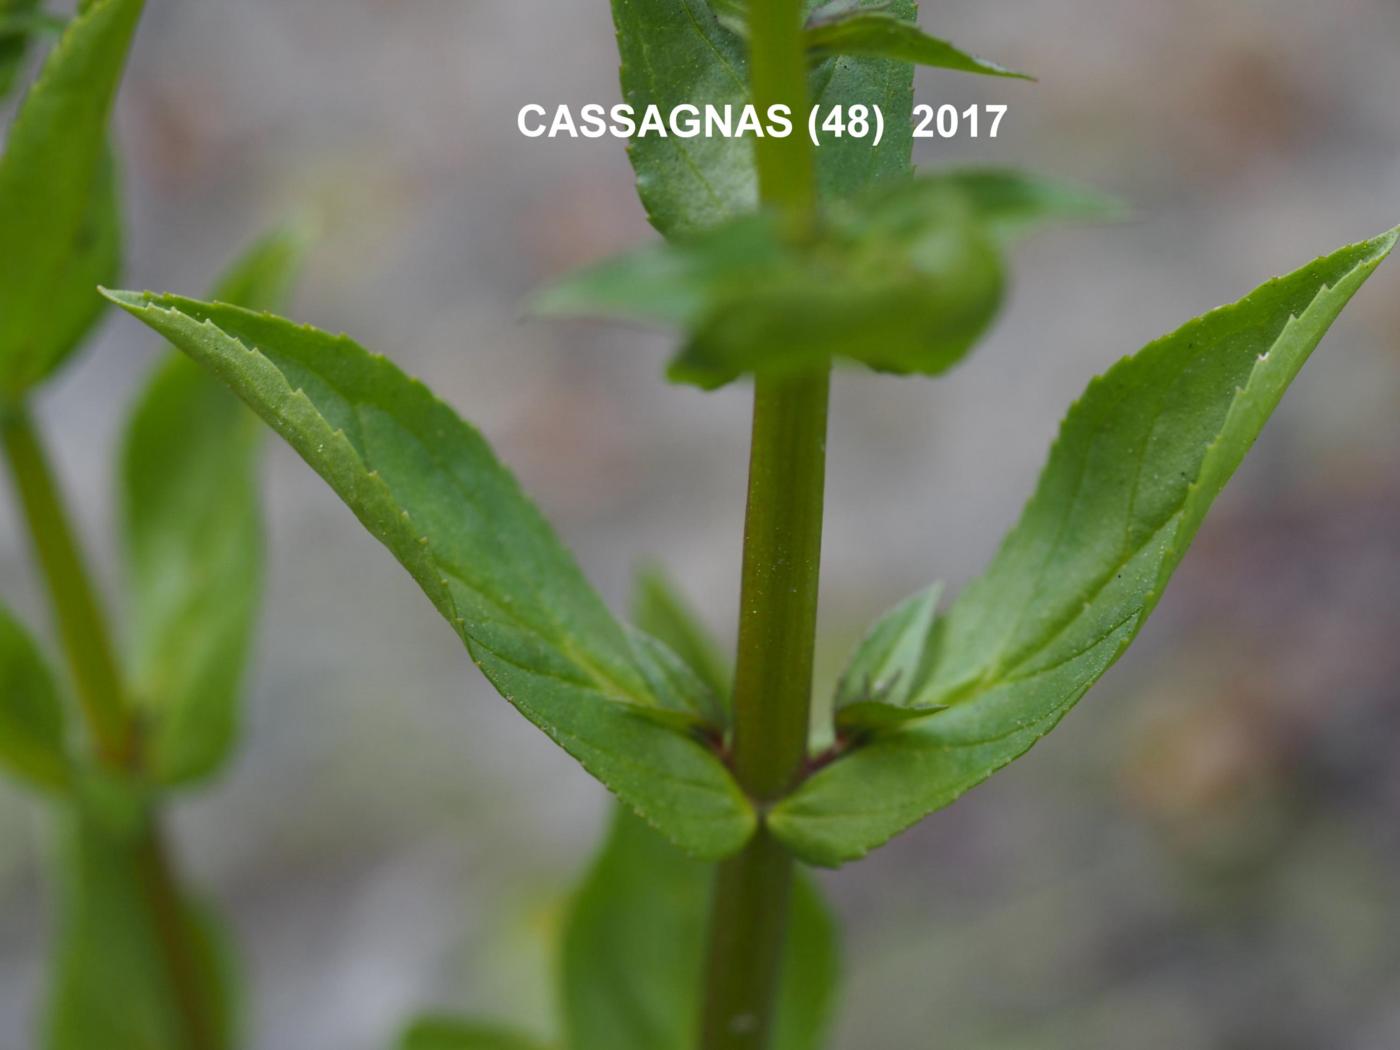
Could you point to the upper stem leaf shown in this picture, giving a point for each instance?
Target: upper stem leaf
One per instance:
(1138, 462)
(429, 488)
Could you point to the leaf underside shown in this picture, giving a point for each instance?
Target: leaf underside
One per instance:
(1138, 461)
(429, 488)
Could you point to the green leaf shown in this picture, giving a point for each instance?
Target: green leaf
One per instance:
(193, 538)
(429, 488)
(263, 276)
(876, 688)
(57, 198)
(634, 944)
(904, 279)
(849, 165)
(112, 984)
(659, 608)
(32, 731)
(446, 1033)
(20, 20)
(676, 52)
(1137, 464)
(1010, 202)
(883, 34)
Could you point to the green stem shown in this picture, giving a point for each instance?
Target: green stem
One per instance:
(778, 606)
(87, 643)
(778, 600)
(174, 933)
(77, 613)
(778, 76)
(748, 928)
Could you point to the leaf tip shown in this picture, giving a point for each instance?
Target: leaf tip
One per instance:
(127, 300)
(1385, 243)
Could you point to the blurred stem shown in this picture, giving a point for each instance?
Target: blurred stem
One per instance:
(174, 930)
(76, 610)
(778, 600)
(87, 644)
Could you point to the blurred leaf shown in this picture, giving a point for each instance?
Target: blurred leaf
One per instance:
(445, 1033)
(263, 276)
(904, 279)
(57, 198)
(732, 14)
(674, 283)
(193, 539)
(1137, 464)
(429, 488)
(113, 984)
(884, 34)
(32, 742)
(659, 608)
(1011, 202)
(20, 21)
(676, 52)
(634, 947)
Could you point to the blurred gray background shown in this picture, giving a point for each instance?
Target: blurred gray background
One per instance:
(1206, 854)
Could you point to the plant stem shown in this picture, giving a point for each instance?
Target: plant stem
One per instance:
(748, 928)
(77, 613)
(87, 643)
(171, 923)
(772, 698)
(782, 558)
(778, 600)
(778, 76)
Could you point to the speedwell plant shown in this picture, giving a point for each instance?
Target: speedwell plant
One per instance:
(696, 928)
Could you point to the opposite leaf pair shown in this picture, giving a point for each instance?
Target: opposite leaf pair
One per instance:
(631, 948)
(903, 279)
(1137, 464)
